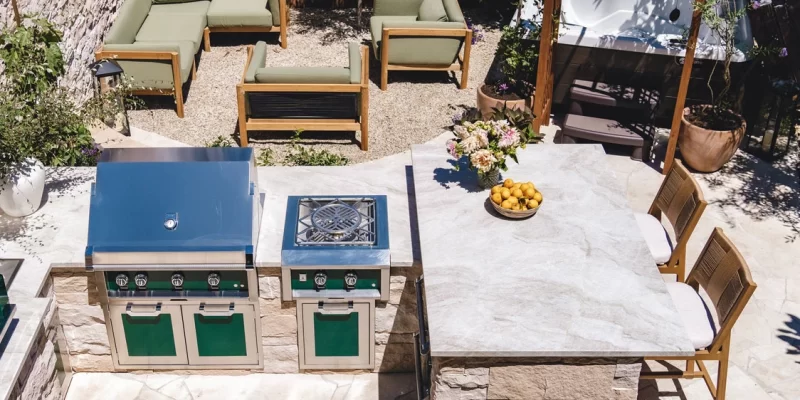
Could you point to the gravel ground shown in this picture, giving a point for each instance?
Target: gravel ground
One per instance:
(417, 106)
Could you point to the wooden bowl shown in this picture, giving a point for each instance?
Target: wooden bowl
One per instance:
(514, 214)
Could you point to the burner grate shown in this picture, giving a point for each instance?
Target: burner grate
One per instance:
(336, 221)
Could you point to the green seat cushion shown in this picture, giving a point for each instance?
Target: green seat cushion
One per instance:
(376, 26)
(234, 13)
(130, 18)
(396, 7)
(172, 28)
(303, 75)
(421, 50)
(157, 74)
(192, 8)
(432, 10)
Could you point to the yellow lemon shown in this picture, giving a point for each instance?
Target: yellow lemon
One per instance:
(523, 207)
(530, 193)
(506, 204)
(516, 186)
(531, 185)
(516, 193)
(533, 204)
(508, 183)
(524, 187)
(497, 198)
(538, 197)
(497, 189)
(505, 193)
(515, 207)
(513, 200)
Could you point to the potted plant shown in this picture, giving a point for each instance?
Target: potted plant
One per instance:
(711, 133)
(487, 143)
(518, 53)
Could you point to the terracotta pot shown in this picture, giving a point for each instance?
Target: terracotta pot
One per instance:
(486, 103)
(707, 150)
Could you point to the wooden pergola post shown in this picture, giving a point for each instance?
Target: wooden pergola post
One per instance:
(683, 88)
(543, 97)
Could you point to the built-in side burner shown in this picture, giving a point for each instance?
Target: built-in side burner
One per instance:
(336, 221)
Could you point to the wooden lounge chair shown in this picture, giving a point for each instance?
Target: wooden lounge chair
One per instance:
(420, 35)
(682, 201)
(304, 98)
(724, 276)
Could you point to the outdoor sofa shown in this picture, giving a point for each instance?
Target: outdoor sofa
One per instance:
(420, 35)
(304, 98)
(155, 41)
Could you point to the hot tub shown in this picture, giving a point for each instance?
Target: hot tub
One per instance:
(637, 42)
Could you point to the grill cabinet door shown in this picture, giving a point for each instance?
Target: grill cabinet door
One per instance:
(148, 334)
(337, 334)
(221, 334)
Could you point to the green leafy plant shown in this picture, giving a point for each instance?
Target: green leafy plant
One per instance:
(519, 55)
(300, 155)
(220, 141)
(266, 158)
(32, 58)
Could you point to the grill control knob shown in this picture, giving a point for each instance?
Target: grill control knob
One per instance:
(140, 280)
(122, 281)
(350, 280)
(177, 280)
(213, 280)
(320, 279)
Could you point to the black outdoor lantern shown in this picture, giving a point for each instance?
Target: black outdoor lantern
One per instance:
(108, 76)
(772, 130)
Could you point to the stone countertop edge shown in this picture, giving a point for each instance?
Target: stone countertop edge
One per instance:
(558, 354)
(28, 321)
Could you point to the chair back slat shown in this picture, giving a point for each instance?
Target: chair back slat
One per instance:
(723, 273)
(680, 199)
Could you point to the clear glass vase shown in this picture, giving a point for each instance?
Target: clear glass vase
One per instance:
(488, 179)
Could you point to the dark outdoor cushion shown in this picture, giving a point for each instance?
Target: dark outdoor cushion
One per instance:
(155, 74)
(232, 13)
(130, 18)
(303, 75)
(432, 10)
(257, 60)
(172, 28)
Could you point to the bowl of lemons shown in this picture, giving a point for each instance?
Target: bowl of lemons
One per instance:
(516, 200)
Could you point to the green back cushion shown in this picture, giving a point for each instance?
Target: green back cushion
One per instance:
(130, 18)
(275, 9)
(171, 1)
(432, 10)
(354, 53)
(303, 75)
(453, 10)
(397, 7)
(258, 60)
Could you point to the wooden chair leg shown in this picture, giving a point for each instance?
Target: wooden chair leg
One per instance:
(365, 119)
(384, 60)
(179, 100)
(722, 373)
(465, 64)
(207, 39)
(194, 70)
(242, 116)
(284, 44)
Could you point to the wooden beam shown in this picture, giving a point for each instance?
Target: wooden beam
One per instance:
(544, 92)
(683, 88)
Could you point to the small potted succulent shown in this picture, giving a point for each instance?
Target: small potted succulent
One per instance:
(518, 55)
(488, 143)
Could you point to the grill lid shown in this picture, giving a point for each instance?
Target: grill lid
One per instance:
(155, 205)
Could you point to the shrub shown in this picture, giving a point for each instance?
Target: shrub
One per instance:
(302, 156)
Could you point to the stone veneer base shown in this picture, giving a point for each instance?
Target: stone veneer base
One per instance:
(535, 378)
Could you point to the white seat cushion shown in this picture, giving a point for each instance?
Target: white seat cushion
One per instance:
(694, 313)
(657, 239)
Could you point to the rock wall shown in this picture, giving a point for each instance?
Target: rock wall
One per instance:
(535, 378)
(88, 347)
(84, 24)
(38, 379)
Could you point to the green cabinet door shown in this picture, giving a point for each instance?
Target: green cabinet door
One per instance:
(148, 334)
(337, 334)
(221, 334)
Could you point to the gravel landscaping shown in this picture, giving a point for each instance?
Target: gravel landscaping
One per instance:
(417, 106)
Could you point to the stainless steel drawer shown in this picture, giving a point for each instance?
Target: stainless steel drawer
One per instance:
(336, 334)
(221, 334)
(148, 334)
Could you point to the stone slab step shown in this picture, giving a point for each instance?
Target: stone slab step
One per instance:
(603, 131)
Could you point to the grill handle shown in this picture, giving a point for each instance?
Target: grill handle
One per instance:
(230, 310)
(335, 308)
(156, 311)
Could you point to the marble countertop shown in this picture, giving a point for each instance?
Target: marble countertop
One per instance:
(576, 280)
(26, 323)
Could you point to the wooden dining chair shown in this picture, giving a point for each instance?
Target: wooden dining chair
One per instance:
(724, 276)
(681, 201)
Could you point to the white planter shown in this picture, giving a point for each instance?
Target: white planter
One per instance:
(21, 192)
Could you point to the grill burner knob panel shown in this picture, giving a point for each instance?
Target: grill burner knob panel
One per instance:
(177, 280)
(122, 281)
(350, 280)
(214, 280)
(140, 280)
(320, 279)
